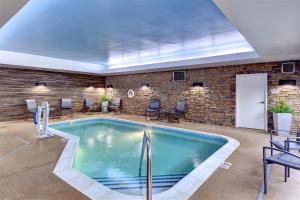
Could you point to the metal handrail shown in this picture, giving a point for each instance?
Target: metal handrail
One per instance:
(142, 153)
(147, 142)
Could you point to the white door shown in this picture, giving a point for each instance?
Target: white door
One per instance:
(251, 101)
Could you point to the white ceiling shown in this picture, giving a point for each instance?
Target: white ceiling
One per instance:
(272, 27)
(113, 36)
(8, 8)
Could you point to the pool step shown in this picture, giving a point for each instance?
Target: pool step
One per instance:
(159, 182)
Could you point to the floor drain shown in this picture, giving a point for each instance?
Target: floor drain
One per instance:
(63, 140)
(225, 165)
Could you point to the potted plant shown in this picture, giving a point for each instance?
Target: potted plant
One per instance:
(282, 118)
(104, 102)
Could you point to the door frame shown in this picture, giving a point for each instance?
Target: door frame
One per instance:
(265, 76)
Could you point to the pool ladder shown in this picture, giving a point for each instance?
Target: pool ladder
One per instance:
(147, 143)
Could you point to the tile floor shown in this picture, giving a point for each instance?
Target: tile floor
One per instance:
(26, 165)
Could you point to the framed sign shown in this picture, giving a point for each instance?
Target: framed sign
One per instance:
(130, 93)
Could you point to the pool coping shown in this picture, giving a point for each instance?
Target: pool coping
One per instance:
(95, 190)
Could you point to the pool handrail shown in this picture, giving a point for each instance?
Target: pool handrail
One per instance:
(147, 141)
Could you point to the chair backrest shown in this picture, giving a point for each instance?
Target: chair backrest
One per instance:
(89, 102)
(180, 106)
(298, 135)
(66, 103)
(31, 104)
(154, 104)
(116, 101)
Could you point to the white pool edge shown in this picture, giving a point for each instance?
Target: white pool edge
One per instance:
(95, 190)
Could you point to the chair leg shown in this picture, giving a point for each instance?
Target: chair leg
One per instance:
(289, 172)
(271, 145)
(285, 174)
(265, 178)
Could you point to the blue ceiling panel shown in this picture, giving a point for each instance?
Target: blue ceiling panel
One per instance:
(122, 33)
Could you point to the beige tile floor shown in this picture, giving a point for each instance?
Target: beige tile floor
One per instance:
(26, 165)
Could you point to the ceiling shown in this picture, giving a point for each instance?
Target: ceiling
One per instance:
(8, 8)
(271, 27)
(115, 36)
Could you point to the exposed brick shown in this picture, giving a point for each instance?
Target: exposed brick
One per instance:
(212, 104)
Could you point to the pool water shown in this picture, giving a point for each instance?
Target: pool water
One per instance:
(109, 152)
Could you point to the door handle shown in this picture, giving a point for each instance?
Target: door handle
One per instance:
(261, 102)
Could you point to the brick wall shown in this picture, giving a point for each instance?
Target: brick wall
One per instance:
(16, 85)
(212, 104)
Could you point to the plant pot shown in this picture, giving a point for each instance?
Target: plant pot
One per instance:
(282, 123)
(104, 105)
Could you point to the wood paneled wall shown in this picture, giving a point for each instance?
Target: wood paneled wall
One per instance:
(17, 85)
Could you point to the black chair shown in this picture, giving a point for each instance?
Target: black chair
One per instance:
(178, 112)
(66, 105)
(283, 158)
(116, 105)
(91, 106)
(153, 108)
(280, 144)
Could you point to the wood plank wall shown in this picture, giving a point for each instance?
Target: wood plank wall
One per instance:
(17, 85)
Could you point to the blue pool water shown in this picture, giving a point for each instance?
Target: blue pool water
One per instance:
(109, 152)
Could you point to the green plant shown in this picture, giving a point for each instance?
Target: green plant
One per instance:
(104, 98)
(281, 107)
